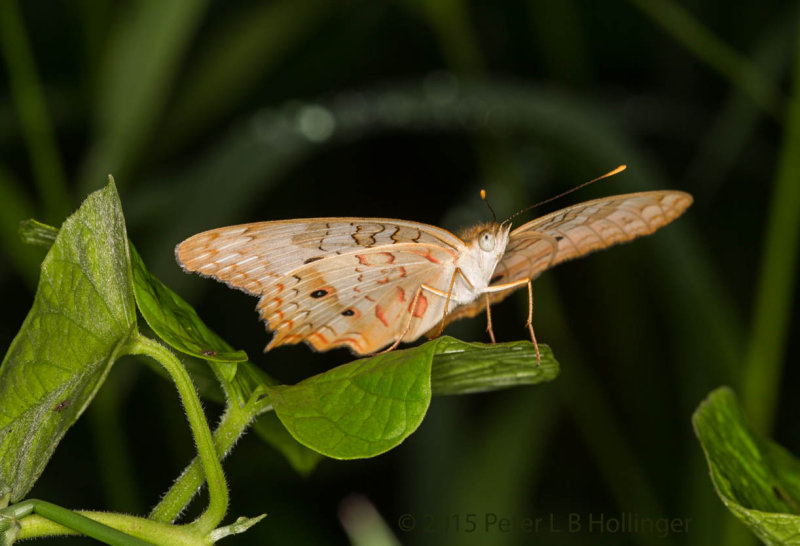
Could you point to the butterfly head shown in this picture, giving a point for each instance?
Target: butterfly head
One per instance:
(487, 244)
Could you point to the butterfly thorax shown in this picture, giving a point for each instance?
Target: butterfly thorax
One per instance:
(485, 246)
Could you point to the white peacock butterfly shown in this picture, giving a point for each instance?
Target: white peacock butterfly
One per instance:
(370, 283)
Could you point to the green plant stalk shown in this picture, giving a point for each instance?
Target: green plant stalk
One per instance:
(35, 526)
(217, 488)
(32, 110)
(775, 291)
(707, 47)
(232, 425)
(57, 520)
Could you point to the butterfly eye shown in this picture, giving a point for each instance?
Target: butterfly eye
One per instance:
(486, 241)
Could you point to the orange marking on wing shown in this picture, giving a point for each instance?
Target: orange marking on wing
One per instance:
(321, 340)
(380, 258)
(288, 325)
(280, 287)
(379, 314)
(351, 340)
(369, 298)
(421, 307)
(428, 256)
(401, 294)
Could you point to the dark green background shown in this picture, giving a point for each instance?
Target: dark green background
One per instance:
(195, 110)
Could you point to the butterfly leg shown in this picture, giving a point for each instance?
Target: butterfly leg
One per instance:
(410, 317)
(529, 322)
(489, 317)
(449, 294)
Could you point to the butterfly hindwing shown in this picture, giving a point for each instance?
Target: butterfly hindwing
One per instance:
(361, 300)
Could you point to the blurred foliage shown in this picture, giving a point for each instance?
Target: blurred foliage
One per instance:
(210, 113)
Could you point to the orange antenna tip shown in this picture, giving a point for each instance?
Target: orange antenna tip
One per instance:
(483, 194)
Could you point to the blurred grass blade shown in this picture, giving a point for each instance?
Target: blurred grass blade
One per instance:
(736, 122)
(706, 46)
(147, 44)
(14, 208)
(777, 275)
(241, 52)
(756, 479)
(81, 316)
(31, 107)
(564, 54)
(450, 21)
(363, 524)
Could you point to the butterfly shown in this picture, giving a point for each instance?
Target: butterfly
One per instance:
(371, 283)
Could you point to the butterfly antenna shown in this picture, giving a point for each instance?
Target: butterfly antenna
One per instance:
(483, 196)
(560, 195)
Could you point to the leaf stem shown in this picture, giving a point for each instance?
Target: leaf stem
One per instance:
(232, 425)
(217, 488)
(66, 520)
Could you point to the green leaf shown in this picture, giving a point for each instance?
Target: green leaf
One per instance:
(174, 320)
(270, 429)
(82, 315)
(362, 408)
(371, 405)
(33, 232)
(758, 480)
(177, 323)
(460, 367)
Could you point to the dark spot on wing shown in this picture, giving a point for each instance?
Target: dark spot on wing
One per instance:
(348, 313)
(319, 293)
(496, 278)
(314, 259)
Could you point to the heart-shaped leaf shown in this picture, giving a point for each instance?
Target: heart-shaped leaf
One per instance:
(371, 405)
(82, 315)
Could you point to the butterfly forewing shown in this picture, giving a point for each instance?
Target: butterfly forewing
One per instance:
(252, 256)
(576, 231)
(329, 281)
